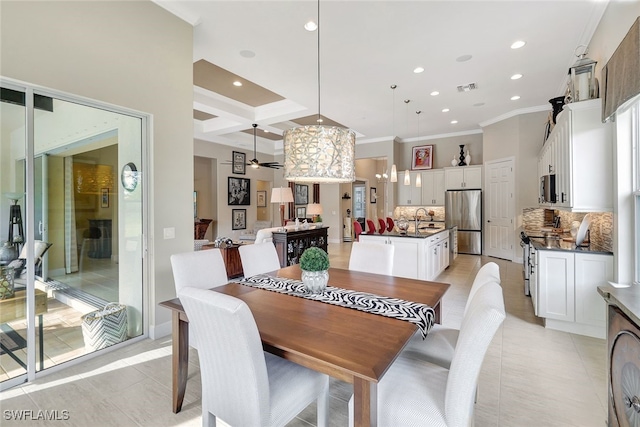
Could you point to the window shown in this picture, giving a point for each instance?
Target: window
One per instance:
(635, 150)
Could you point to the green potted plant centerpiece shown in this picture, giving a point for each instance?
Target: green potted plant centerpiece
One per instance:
(314, 264)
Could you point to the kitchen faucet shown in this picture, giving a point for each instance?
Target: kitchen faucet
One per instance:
(415, 219)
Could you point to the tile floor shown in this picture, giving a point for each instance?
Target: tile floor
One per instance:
(62, 323)
(531, 376)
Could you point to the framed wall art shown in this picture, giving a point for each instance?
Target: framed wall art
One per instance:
(373, 195)
(262, 199)
(238, 219)
(301, 212)
(301, 195)
(104, 197)
(239, 163)
(238, 189)
(422, 157)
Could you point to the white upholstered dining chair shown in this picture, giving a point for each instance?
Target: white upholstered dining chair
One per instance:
(241, 384)
(414, 392)
(259, 258)
(374, 258)
(199, 269)
(438, 347)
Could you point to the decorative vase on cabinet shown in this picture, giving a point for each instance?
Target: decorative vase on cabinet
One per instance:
(462, 162)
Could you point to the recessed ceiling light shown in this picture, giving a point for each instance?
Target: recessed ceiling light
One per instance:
(515, 98)
(478, 104)
(265, 131)
(516, 76)
(463, 58)
(445, 110)
(453, 122)
(435, 93)
(418, 70)
(237, 83)
(247, 53)
(310, 26)
(518, 44)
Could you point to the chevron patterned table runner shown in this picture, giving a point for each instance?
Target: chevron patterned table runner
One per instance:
(419, 314)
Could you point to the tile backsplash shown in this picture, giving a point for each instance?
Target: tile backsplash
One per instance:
(600, 230)
(409, 212)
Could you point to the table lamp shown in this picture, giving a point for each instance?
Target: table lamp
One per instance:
(314, 209)
(282, 196)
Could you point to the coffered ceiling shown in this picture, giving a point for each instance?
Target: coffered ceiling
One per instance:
(365, 47)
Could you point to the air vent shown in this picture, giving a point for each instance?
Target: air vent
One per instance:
(467, 87)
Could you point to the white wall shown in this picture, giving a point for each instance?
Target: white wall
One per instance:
(521, 137)
(220, 154)
(444, 149)
(132, 54)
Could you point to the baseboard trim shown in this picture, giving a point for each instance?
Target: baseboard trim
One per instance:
(160, 331)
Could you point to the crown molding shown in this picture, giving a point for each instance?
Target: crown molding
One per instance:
(514, 113)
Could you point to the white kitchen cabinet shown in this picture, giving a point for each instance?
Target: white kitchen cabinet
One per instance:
(579, 152)
(408, 195)
(556, 285)
(433, 188)
(416, 257)
(407, 254)
(463, 178)
(564, 290)
(453, 243)
(592, 270)
(445, 253)
(437, 254)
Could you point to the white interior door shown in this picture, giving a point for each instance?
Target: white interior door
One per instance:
(499, 210)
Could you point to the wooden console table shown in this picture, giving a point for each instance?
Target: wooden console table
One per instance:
(231, 257)
(291, 244)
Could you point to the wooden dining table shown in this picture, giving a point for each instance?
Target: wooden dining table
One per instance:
(350, 345)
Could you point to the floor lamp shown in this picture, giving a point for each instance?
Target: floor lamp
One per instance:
(282, 196)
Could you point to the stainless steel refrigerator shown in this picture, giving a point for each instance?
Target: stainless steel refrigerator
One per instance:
(463, 208)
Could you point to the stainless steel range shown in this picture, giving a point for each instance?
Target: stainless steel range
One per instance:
(528, 260)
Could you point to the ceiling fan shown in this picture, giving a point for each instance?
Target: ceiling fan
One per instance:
(254, 163)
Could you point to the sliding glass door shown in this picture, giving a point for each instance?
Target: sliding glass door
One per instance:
(13, 300)
(77, 176)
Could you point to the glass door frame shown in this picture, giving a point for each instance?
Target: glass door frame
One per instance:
(29, 221)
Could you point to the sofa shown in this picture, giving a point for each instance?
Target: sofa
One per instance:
(249, 235)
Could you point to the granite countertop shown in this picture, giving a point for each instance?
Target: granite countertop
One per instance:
(565, 246)
(424, 233)
(625, 298)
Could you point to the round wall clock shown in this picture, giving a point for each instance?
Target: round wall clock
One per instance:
(129, 176)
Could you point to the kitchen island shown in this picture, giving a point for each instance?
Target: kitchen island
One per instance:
(423, 255)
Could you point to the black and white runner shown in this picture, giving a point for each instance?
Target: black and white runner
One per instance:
(419, 314)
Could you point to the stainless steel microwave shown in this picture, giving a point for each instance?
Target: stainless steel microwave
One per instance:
(548, 189)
